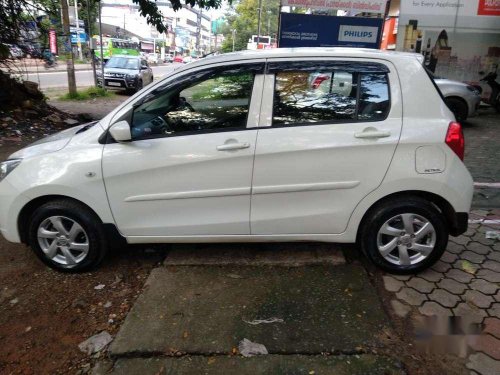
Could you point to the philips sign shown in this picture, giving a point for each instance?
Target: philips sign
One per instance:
(358, 34)
(307, 30)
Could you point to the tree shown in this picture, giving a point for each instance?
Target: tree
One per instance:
(244, 19)
(17, 15)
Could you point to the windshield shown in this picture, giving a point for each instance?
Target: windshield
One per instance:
(123, 63)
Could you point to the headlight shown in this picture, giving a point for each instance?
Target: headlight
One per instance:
(8, 166)
(131, 76)
(474, 89)
(98, 73)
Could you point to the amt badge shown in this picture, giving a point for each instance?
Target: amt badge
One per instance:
(359, 34)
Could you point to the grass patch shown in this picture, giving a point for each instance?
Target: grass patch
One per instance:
(90, 93)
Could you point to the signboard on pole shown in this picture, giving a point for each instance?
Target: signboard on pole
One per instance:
(304, 30)
(369, 6)
(53, 41)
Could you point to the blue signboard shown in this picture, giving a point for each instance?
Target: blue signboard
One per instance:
(305, 30)
(83, 37)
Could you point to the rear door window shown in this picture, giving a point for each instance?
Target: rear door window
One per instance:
(330, 94)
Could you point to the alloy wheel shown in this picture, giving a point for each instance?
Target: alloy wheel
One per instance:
(406, 239)
(63, 240)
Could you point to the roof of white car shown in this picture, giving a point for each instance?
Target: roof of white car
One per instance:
(306, 52)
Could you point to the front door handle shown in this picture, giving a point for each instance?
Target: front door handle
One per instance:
(372, 134)
(233, 146)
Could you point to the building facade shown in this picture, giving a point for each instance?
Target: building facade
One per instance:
(188, 28)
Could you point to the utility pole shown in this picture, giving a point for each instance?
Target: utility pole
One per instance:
(234, 33)
(91, 44)
(67, 42)
(102, 52)
(77, 24)
(258, 27)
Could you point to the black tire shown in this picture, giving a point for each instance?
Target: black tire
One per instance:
(380, 214)
(88, 220)
(459, 108)
(139, 86)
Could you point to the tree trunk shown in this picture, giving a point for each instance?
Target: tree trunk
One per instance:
(67, 42)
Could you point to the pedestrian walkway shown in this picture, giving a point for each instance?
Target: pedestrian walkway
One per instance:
(316, 315)
(465, 283)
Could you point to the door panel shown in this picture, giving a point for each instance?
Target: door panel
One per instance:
(308, 178)
(188, 170)
(180, 185)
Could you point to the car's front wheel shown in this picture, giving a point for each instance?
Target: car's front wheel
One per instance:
(404, 235)
(67, 236)
(458, 107)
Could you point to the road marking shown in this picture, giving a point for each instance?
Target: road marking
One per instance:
(491, 185)
(484, 221)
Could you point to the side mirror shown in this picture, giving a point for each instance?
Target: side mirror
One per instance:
(120, 131)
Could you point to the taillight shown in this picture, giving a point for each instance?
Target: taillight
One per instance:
(455, 139)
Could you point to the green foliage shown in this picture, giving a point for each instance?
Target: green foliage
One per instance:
(90, 93)
(244, 19)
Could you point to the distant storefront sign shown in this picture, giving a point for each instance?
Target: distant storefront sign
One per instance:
(489, 8)
(304, 30)
(370, 6)
(458, 38)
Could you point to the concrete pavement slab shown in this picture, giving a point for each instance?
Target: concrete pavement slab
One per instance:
(278, 254)
(270, 364)
(207, 310)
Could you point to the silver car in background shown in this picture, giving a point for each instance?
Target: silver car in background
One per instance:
(461, 98)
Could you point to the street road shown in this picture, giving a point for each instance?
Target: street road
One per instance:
(55, 79)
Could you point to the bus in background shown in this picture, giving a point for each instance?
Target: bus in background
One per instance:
(115, 46)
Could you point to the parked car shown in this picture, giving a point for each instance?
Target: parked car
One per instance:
(168, 58)
(239, 147)
(178, 59)
(130, 73)
(187, 59)
(461, 98)
(15, 52)
(153, 58)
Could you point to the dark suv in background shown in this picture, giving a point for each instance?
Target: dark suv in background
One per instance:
(129, 73)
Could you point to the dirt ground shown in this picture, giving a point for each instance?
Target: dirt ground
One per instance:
(44, 314)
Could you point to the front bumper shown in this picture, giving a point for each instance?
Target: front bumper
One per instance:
(113, 83)
(473, 102)
(11, 204)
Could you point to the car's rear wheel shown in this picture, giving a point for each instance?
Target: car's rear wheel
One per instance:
(404, 235)
(459, 108)
(67, 236)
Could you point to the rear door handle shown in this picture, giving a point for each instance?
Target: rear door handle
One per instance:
(372, 134)
(233, 146)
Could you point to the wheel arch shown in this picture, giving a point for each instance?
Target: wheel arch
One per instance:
(460, 99)
(30, 207)
(439, 202)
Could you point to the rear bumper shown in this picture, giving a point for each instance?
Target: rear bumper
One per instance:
(459, 223)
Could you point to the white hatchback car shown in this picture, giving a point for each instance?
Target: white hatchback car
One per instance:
(241, 147)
